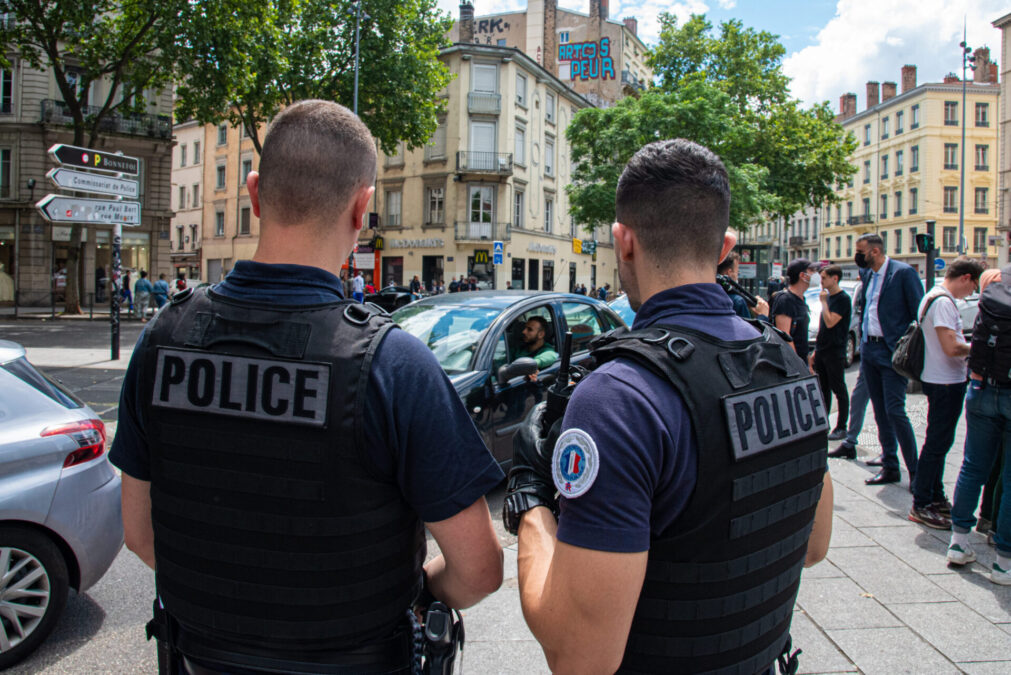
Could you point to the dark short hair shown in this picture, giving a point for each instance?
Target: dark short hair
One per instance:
(315, 156)
(832, 271)
(727, 263)
(541, 321)
(143, 274)
(872, 240)
(964, 265)
(675, 195)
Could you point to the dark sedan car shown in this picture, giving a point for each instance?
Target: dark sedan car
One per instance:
(477, 337)
(392, 298)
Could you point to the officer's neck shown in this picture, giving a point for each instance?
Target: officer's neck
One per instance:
(299, 245)
(652, 282)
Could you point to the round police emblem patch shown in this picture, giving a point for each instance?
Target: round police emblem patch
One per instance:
(575, 463)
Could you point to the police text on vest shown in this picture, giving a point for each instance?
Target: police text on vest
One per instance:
(774, 416)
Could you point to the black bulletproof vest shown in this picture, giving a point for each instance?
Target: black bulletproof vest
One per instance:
(721, 583)
(271, 529)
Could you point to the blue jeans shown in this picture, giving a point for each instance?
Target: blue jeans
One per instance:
(988, 432)
(359, 297)
(887, 390)
(858, 408)
(944, 409)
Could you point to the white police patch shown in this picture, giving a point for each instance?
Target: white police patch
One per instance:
(575, 463)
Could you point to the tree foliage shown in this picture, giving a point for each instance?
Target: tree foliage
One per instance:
(727, 92)
(243, 62)
(125, 46)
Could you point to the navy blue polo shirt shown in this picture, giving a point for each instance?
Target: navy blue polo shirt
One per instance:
(642, 432)
(416, 426)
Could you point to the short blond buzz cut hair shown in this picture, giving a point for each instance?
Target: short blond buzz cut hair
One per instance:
(316, 156)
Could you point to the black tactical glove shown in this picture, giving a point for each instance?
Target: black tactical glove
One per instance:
(530, 483)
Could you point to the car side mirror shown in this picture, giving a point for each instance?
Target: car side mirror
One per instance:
(521, 367)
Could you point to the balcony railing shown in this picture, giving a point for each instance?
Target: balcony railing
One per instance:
(866, 219)
(137, 124)
(482, 231)
(484, 103)
(796, 241)
(497, 163)
(630, 80)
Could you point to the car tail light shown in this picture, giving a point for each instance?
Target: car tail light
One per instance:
(90, 437)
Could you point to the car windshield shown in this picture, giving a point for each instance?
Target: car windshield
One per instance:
(450, 331)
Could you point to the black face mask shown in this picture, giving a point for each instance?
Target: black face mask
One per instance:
(861, 260)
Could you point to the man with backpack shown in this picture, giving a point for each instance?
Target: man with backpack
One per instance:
(944, 353)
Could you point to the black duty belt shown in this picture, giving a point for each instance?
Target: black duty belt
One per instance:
(875, 338)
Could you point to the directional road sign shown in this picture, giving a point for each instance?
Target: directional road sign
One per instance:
(939, 263)
(59, 209)
(94, 159)
(497, 248)
(93, 182)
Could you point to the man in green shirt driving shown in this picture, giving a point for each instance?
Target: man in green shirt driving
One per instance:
(534, 347)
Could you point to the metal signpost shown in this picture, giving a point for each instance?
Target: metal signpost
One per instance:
(71, 209)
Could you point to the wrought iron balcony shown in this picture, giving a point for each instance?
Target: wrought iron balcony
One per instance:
(630, 80)
(797, 241)
(484, 103)
(482, 232)
(497, 163)
(136, 124)
(865, 219)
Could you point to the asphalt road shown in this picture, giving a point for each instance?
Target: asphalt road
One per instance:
(102, 630)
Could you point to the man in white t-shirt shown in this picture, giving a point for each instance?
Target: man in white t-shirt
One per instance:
(944, 381)
(358, 287)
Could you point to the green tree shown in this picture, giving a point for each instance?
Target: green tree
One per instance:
(727, 92)
(112, 49)
(243, 62)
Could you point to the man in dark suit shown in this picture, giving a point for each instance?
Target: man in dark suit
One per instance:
(888, 304)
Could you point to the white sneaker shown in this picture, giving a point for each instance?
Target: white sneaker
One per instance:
(1000, 576)
(960, 556)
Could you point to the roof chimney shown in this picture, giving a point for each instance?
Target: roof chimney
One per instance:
(550, 59)
(466, 21)
(982, 73)
(598, 9)
(993, 73)
(887, 90)
(951, 78)
(632, 24)
(873, 94)
(908, 78)
(847, 106)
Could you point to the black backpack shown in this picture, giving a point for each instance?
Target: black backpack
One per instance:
(990, 355)
(907, 359)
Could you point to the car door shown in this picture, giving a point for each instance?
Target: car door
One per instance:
(585, 323)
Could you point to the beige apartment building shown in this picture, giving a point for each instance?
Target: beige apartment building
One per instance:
(908, 169)
(187, 200)
(495, 171)
(601, 59)
(34, 252)
(1004, 139)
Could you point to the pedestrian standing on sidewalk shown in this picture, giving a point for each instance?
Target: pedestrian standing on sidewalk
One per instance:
(161, 291)
(944, 355)
(989, 505)
(358, 287)
(829, 357)
(789, 312)
(142, 294)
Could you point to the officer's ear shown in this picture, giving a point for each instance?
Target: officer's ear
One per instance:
(253, 186)
(625, 241)
(361, 205)
(729, 242)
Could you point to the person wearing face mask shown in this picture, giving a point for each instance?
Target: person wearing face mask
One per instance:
(889, 304)
(789, 311)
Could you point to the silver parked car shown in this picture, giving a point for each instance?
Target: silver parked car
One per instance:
(60, 518)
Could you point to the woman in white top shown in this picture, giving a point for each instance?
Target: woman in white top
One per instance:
(944, 382)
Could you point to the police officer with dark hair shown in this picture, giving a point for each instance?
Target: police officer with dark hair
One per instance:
(689, 464)
(284, 448)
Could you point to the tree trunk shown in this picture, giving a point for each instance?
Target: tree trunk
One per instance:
(72, 290)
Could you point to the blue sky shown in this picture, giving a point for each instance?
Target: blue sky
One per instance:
(833, 46)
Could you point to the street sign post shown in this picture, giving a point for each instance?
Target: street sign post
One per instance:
(97, 160)
(94, 182)
(939, 264)
(498, 249)
(59, 209)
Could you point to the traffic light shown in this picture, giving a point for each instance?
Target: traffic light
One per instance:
(924, 243)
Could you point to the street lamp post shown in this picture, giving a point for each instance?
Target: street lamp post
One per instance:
(967, 62)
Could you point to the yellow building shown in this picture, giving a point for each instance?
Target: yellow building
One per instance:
(908, 169)
(1004, 134)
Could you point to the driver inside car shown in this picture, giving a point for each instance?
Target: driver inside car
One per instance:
(533, 345)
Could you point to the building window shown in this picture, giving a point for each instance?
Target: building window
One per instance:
(951, 113)
(867, 134)
(196, 195)
(867, 171)
(563, 37)
(884, 207)
(898, 122)
(6, 92)
(222, 133)
(393, 201)
(572, 226)
(518, 209)
(182, 198)
(244, 220)
(220, 185)
(885, 124)
(979, 240)
(951, 200)
(884, 166)
(436, 148)
(982, 114)
(982, 158)
(549, 107)
(884, 241)
(484, 78)
(247, 168)
(435, 205)
(501, 42)
(520, 146)
(849, 245)
(182, 155)
(521, 90)
(549, 213)
(196, 152)
(397, 158)
(898, 204)
(951, 155)
(898, 241)
(912, 240)
(179, 238)
(838, 247)
(915, 120)
(914, 200)
(914, 158)
(219, 224)
(981, 202)
(948, 239)
(849, 212)
(899, 157)
(867, 206)
(549, 157)
(5, 173)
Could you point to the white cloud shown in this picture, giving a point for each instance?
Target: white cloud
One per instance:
(870, 40)
(727, 4)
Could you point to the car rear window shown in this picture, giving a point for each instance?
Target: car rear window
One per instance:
(24, 371)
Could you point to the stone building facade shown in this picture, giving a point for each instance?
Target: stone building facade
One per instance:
(1004, 139)
(187, 193)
